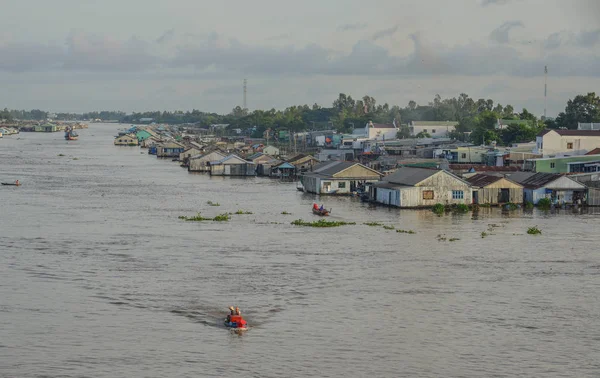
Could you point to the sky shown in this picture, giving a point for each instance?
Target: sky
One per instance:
(138, 55)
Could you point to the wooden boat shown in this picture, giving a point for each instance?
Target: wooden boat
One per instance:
(322, 213)
(11, 183)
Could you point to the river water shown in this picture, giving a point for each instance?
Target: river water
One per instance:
(99, 277)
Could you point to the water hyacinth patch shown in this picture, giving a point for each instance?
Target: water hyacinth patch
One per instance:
(321, 223)
(534, 231)
(373, 224)
(211, 203)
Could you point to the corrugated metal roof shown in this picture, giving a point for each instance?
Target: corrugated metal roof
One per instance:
(330, 168)
(536, 180)
(595, 151)
(410, 176)
(481, 180)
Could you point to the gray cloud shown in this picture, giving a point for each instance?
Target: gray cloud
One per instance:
(214, 56)
(553, 41)
(485, 3)
(29, 57)
(583, 39)
(352, 27)
(385, 33)
(588, 38)
(166, 37)
(501, 33)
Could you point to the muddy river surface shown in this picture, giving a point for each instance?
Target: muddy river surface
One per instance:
(99, 277)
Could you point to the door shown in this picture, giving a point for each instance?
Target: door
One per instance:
(504, 196)
(475, 196)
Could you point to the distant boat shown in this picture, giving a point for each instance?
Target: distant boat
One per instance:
(70, 134)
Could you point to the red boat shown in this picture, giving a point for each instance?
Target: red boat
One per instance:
(320, 212)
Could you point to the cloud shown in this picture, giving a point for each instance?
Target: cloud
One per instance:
(588, 38)
(352, 27)
(385, 33)
(280, 37)
(485, 3)
(166, 37)
(213, 56)
(87, 51)
(28, 57)
(501, 33)
(584, 39)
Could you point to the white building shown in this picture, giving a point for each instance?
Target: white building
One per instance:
(437, 129)
(588, 126)
(381, 131)
(550, 143)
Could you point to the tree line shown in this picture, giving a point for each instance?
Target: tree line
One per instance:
(477, 119)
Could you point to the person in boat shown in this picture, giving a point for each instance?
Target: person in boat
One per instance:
(315, 206)
(17, 182)
(321, 208)
(231, 313)
(236, 318)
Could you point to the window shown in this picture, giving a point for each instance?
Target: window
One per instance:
(458, 194)
(433, 131)
(341, 185)
(569, 146)
(464, 156)
(428, 194)
(552, 165)
(424, 130)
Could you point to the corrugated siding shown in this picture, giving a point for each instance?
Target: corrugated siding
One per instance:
(491, 195)
(504, 184)
(593, 198)
(388, 196)
(357, 171)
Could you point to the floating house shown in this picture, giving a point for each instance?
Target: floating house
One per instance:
(169, 150)
(338, 177)
(232, 165)
(188, 153)
(271, 150)
(200, 163)
(420, 187)
(495, 190)
(126, 140)
(560, 189)
(46, 128)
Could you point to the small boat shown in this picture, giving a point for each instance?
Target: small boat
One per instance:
(234, 327)
(322, 213)
(12, 183)
(70, 134)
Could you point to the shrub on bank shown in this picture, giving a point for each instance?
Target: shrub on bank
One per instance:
(544, 204)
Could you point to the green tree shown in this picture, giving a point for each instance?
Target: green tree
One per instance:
(583, 108)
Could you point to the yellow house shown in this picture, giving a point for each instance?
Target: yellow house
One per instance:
(495, 190)
(126, 140)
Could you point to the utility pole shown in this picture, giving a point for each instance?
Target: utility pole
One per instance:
(245, 93)
(545, 89)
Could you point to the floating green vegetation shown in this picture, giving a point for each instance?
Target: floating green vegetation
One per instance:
(484, 234)
(75, 158)
(460, 208)
(211, 203)
(485, 205)
(544, 204)
(441, 237)
(453, 239)
(222, 218)
(438, 209)
(61, 154)
(240, 212)
(196, 218)
(200, 218)
(534, 230)
(389, 227)
(285, 213)
(510, 206)
(373, 224)
(321, 223)
(406, 231)
(529, 205)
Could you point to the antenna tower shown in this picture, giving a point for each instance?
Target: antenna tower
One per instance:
(545, 89)
(245, 93)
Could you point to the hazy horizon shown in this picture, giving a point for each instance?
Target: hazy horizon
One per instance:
(75, 56)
